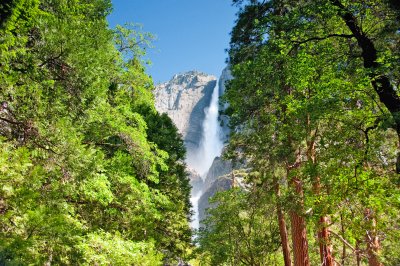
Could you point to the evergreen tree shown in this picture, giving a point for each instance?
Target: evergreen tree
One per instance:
(84, 178)
(313, 107)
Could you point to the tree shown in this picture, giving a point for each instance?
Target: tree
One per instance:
(83, 177)
(302, 101)
(174, 181)
(238, 230)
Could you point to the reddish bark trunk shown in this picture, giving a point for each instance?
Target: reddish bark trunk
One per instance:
(358, 256)
(299, 232)
(325, 249)
(344, 245)
(283, 232)
(372, 240)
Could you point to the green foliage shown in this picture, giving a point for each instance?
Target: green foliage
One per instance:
(305, 108)
(84, 176)
(174, 181)
(106, 249)
(238, 231)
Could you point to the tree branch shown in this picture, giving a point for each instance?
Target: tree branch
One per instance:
(343, 240)
(298, 43)
(348, 36)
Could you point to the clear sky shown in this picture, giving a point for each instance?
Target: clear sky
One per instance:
(191, 34)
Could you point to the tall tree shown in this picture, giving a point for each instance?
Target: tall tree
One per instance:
(380, 79)
(297, 66)
(84, 179)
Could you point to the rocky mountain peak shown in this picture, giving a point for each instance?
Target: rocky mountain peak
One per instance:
(184, 98)
(190, 77)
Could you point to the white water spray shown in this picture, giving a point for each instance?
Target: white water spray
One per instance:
(194, 199)
(211, 144)
(210, 147)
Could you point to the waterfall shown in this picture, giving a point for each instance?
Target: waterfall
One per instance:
(194, 199)
(210, 147)
(211, 144)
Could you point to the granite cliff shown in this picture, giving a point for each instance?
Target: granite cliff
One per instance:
(185, 98)
(225, 76)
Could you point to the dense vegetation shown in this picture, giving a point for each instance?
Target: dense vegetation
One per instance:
(314, 107)
(90, 173)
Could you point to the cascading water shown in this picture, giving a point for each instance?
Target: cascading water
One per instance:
(210, 147)
(194, 199)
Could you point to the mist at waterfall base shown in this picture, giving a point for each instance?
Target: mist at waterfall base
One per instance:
(210, 147)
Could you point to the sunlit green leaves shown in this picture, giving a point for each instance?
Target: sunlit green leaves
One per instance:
(303, 101)
(77, 164)
(103, 248)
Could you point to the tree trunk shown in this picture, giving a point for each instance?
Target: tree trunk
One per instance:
(372, 240)
(380, 82)
(325, 248)
(283, 231)
(344, 245)
(299, 232)
(358, 253)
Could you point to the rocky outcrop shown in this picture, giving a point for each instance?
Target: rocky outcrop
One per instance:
(184, 98)
(196, 181)
(222, 183)
(226, 75)
(217, 179)
(218, 168)
(223, 79)
(235, 178)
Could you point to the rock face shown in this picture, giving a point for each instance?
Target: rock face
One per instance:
(217, 179)
(218, 168)
(225, 76)
(196, 181)
(184, 98)
(221, 184)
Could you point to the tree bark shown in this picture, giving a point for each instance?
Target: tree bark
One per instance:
(343, 259)
(380, 82)
(372, 240)
(325, 248)
(283, 231)
(299, 231)
(358, 253)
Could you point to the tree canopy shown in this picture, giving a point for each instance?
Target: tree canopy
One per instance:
(314, 109)
(85, 178)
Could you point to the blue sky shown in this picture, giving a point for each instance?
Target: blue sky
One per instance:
(191, 34)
